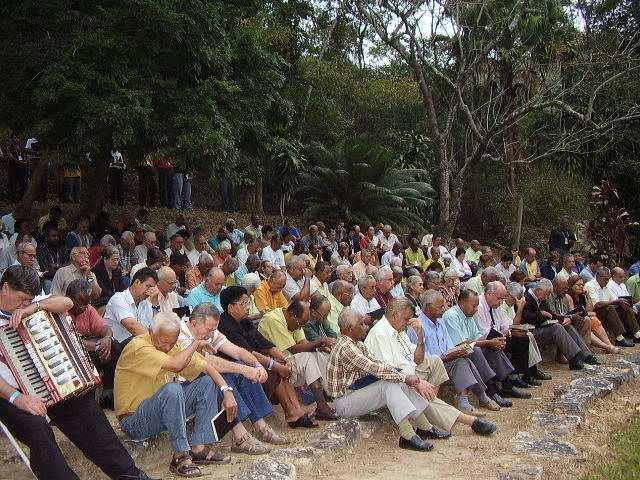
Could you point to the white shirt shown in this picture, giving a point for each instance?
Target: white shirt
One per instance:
(387, 243)
(315, 285)
(9, 223)
(172, 229)
(121, 305)
(619, 290)
(30, 142)
(388, 345)
(137, 267)
(242, 255)
(292, 286)
(288, 247)
(597, 293)
(564, 275)
(444, 253)
(141, 252)
(397, 291)
(364, 306)
(506, 272)
(388, 256)
(427, 240)
(276, 258)
(168, 252)
(193, 256)
(461, 268)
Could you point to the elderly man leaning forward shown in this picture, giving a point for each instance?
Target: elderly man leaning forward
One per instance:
(463, 371)
(150, 398)
(284, 328)
(243, 373)
(79, 268)
(388, 342)
(269, 294)
(209, 290)
(364, 301)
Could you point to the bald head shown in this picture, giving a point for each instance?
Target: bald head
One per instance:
(495, 293)
(618, 275)
(214, 281)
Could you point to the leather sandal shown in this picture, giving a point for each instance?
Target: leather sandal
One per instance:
(250, 445)
(209, 456)
(303, 422)
(182, 466)
(270, 436)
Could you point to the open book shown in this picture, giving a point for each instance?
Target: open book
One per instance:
(462, 347)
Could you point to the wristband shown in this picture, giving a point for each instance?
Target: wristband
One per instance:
(271, 363)
(14, 396)
(258, 365)
(226, 388)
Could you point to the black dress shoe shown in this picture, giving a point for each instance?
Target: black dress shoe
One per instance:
(540, 375)
(501, 401)
(591, 360)
(520, 383)
(514, 393)
(576, 364)
(636, 339)
(483, 427)
(416, 443)
(433, 433)
(140, 476)
(625, 342)
(532, 381)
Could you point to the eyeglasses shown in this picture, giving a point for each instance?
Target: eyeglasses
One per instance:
(243, 304)
(30, 255)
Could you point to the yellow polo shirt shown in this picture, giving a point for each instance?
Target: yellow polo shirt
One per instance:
(265, 300)
(273, 326)
(139, 374)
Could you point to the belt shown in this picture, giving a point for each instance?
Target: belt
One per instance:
(123, 416)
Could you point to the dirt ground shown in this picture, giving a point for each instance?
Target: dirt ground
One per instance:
(378, 457)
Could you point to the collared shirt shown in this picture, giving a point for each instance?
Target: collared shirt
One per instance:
(292, 287)
(349, 361)
(316, 286)
(462, 268)
(273, 325)
(359, 269)
(244, 334)
(242, 255)
(236, 236)
(168, 302)
(255, 231)
(239, 274)
(139, 374)
(200, 295)
(383, 299)
(387, 243)
(506, 272)
(392, 347)
(415, 259)
(314, 330)
(276, 258)
(634, 269)
(193, 256)
(397, 291)
(472, 255)
(127, 258)
(89, 323)
(334, 313)
(475, 285)
(459, 326)
(141, 252)
(598, 293)
(362, 305)
(486, 316)
(215, 340)
(265, 300)
(530, 269)
(558, 304)
(564, 274)
(65, 275)
(389, 256)
(121, 306)
(618, 289)
(633, 285)
(587, 274)
(436, 337)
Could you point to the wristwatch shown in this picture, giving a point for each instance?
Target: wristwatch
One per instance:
(226, 388)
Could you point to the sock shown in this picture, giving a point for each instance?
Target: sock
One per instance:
(620, 338)
(637, 334)
(463, 403)
(484, 399)
(422, 423)
(406, 430)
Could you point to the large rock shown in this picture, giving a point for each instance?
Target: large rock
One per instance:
(523, 472)
(582, 392)
(268, 468)
(556, 424)
(546, 446)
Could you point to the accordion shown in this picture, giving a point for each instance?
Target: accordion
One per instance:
(47, 358)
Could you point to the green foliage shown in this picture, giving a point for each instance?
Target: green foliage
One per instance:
(623, 463)
(361, 183)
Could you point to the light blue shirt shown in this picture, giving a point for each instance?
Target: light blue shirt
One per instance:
(635, 268)
(239, 274)
(587, 274)
(436, 337)
(459, 326)
(237, 236)
(201, 295)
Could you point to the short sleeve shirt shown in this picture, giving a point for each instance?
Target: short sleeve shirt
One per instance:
(273, 326)
(244, 334)
(139, 374)
(276, 258)
(200, 295)
(64, 276)
(292, 287)
(89, 323)
(121, 306)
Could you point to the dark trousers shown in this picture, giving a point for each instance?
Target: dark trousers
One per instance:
(518, 350)
(82, 421)
(116, 181)
(617, 320)
(108, 369)
(72, 187)
(147, 186)
(165, 187)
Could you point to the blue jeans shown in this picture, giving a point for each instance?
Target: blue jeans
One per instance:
(252, 401)
(168, 409)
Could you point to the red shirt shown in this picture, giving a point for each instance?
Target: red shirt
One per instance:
(383, 298)
(89, 323)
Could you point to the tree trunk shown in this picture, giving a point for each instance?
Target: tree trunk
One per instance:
(23, 210)
(96, 188)
(257, 192)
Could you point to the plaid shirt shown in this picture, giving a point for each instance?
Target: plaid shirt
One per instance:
(350, 361)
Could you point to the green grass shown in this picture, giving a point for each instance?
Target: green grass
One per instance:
(625, 456)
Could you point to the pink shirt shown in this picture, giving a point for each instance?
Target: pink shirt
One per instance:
(89, 323)
(483, 318)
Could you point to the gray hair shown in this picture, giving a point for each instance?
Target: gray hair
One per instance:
(603, 271)
(398, 305)
(412, 280)
(342, 268)
(429, 297)
(107, 240)
(339, 285)
(167, 321)
(149, 235)
(296, 260)
(490, 272)
(75, 250)
(165, 272)
(515, 290)
(21, 248)
(450, 273)
(213, 271)
(203, 311)
(397, 270)
(78, 286)
(432, 276)
(127, 234)
(362, 281)
(395, 263)
(109, 251)
(277, 275)
(251, 281)
(493, 287)
(205, 257)
(232, 262)
(544, 284)
(225, 245)
(347, 318)
(382, 272)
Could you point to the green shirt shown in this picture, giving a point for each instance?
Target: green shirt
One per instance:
(558, 304)
(336, 310)
(470, 255)
(459, 326)
(475, 285)
(315, 331)
(415, 259)
(633, 285)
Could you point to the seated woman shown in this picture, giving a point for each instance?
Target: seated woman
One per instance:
(580, 298)
(450, 289)
(109, 275)
(461, 266)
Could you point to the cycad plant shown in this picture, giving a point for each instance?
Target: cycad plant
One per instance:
(363, 184)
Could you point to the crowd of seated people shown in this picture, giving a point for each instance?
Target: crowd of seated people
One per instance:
(328, 323)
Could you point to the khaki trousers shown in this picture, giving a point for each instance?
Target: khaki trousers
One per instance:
(309, 367)
(438, 412)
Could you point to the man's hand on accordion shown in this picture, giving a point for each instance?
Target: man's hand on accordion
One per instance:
(31, 404)
(20, 313)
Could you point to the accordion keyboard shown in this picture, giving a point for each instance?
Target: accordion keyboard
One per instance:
(30, 371)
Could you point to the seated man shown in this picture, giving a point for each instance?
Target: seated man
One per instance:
(505, 266)
(151, 398)
(236, 326)
(130, 313)
(150, 241)
(79, 268)
(79, 418)
(209, 290)
(536, 312)
(309, 365)
(360, 267)
(615, 313)
(317, 327)
(588, 273)
(229, 268)
(414, 256)
(196, 274)
(384, 284)
(319, 281)
(165, 296)
(462, 371)
(244, 374)
(529, 266)
(364, 301)
(633, 286)
(341, 297)
(388, 342)
(568, 267)
(619, 288)
(488, 353)
(560, 304)
(155, 259)
(344, 271)
(268, 295)
(477, 283)
(551, 267)
(298, 280)
(273, 252)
